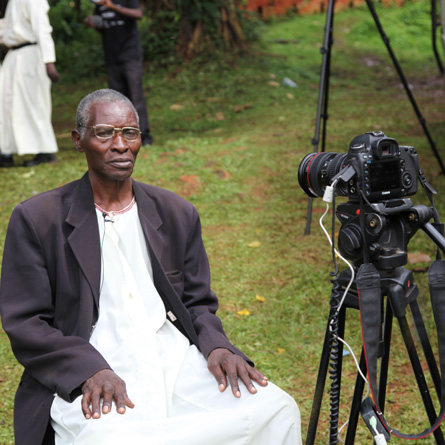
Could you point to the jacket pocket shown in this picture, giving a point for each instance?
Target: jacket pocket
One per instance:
(176, 279)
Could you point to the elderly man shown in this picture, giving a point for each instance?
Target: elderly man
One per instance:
(105, 295)
(25, 84)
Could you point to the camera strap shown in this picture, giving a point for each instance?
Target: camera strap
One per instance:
(370, 303)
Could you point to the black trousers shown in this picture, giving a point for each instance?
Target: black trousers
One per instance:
(127, 79)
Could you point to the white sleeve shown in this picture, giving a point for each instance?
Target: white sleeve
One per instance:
(38, 14)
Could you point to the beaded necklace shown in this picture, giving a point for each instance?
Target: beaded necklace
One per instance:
(113, 213)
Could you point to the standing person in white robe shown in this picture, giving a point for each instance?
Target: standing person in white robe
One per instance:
(2, 25)
(105, 296)
(25, 84)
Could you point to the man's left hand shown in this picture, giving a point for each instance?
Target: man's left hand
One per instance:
(224, 364)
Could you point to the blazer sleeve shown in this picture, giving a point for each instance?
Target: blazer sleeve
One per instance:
(198, 297)
(59, 362)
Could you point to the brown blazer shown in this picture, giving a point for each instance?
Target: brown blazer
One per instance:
(49, 291)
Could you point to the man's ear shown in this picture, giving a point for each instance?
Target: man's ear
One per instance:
(77, 139)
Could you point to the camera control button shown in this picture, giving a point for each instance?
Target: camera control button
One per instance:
(357, 148)
(407, 179)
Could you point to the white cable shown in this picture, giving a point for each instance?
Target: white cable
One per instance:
(328, 195)
(356, 364)
(338, 254)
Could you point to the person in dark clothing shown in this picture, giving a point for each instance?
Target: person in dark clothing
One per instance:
(117, 23)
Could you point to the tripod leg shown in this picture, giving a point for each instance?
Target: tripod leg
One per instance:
(421, 119)
(319, 389)
(420, 377)
(322, 94)
(324, 75)
(434, 25)
(328, 49)
(356, 402)
(308, 219)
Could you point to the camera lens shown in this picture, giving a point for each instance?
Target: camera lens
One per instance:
(316, 171)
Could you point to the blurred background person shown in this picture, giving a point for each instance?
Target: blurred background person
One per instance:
(25, 84)
(123, 53)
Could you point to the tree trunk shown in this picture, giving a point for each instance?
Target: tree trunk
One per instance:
(203, 24)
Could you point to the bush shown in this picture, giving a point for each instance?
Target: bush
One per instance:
(78, 47)
(159, 36)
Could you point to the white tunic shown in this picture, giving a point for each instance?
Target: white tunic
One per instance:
(176, 398)
(25, 88)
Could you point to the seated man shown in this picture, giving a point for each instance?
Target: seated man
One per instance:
(105, 295)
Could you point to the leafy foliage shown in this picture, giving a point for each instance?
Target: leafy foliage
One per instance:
(78, 47)
(170, 32)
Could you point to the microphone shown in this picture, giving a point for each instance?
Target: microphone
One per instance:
(105, 218)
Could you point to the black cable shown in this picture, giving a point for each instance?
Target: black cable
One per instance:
(334, 358)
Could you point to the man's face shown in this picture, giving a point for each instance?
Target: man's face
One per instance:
(114, 158)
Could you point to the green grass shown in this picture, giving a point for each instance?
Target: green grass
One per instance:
(233, 149)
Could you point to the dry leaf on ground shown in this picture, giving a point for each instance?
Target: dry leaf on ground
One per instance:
(418, 257)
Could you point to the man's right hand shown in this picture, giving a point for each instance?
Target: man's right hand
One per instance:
(89, 21)
(104, 386)
(52, 72)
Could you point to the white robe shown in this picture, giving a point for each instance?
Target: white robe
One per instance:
(25, 88)
(176, 398)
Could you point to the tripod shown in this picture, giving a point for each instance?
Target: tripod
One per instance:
(397, 292)
(438, 23)
(323, 95)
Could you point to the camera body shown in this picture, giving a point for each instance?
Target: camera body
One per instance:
(382, 169)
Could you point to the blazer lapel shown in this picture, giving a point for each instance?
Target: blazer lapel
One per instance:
(84, 239)
(150, 221)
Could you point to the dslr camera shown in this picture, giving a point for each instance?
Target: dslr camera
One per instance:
(375, 164)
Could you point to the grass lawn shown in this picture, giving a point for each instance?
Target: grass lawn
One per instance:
(229, 137)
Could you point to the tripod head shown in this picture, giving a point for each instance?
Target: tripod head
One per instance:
(384, 230)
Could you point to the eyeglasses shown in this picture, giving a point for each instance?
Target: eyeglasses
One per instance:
(104, 132)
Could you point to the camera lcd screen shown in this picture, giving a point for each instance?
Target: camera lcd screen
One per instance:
(385, 176)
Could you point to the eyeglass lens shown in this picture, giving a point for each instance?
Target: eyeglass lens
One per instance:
(107, 132)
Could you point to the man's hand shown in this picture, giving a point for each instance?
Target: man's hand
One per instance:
(108, 386)
(107, 3)
(89, 21)
(222, 362)
(132, 13)
(52, 72)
